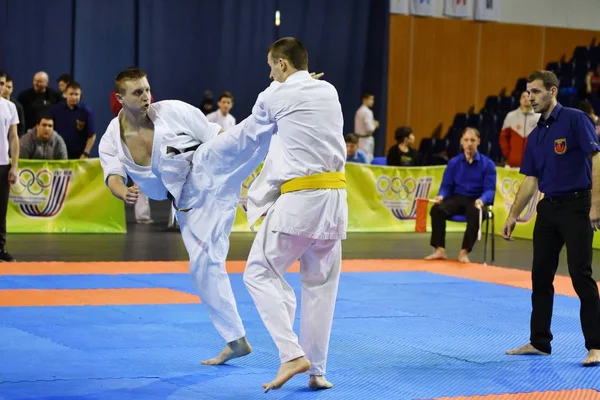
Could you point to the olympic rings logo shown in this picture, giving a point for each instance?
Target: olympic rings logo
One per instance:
(396, 187)
(509, 187)
(34, 183)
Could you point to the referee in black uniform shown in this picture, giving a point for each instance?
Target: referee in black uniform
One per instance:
(562, 160)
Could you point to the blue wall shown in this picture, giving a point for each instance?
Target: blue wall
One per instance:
(188, 46)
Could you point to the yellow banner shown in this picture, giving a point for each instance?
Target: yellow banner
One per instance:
(63, 197)
(507, 185)
(380, 198)
(383, 199)
(508, 182)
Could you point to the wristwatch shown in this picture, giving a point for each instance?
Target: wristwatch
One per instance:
(85, 153)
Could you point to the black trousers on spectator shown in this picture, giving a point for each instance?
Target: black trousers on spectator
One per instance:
(4, 191)
(563, 221)
(453, 205)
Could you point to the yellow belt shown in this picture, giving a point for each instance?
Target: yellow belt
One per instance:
(325, 180)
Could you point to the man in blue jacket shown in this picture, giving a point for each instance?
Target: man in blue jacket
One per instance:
(469, 183)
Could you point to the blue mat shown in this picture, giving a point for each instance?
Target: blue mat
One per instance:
(404, 335)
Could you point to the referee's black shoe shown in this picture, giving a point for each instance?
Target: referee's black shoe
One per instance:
(6, 257)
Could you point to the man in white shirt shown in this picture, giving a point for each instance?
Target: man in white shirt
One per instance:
(301, 188)
(365, 125)
(171, 151)
(222, 116)
(9, 143)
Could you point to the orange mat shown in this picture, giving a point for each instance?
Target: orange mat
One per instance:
(576, 394)
(498, 275)
(93, 297)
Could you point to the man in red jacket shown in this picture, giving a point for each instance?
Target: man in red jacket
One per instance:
(518, 124)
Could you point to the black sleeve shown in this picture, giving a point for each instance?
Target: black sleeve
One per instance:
(21, 114)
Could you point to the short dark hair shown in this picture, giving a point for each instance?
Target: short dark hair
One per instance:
(402, 133)
(226, 94)
(468, 128)
(129, 74)
(290, 49)
(73, 85)
(351, 138)
(586, 107)
(366, 95)
(64, 78)
(3, 75)
(9, 78)
(548, 78)
(44, 116)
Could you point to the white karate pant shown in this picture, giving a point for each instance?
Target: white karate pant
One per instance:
(142, 208)
(271, 255)
(367, 144)
(208, 272)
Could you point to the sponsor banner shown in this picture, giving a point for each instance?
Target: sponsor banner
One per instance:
(380, 198)
(63, 197)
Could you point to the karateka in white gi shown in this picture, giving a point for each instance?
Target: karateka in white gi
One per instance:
(157, 146)
(301, 188)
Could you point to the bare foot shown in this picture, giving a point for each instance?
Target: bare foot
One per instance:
(528, 350)
(438, 254)
(463, 256)
(237, 348)
(287, 371)
(592, 359)
(318, 382)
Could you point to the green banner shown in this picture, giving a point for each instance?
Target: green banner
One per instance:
(63, 197)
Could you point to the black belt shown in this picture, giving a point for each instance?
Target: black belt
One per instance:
(170, 197)
(176, 151)
(580, 194)
(173, 150)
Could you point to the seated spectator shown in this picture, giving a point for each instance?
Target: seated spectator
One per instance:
(401, 154)
(42, 142)
(516, 128)
(468, 184)
(354, 154)
(587, 108)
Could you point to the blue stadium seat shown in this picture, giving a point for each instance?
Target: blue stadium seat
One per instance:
(492, 103)
(440, 146)
(426, 150)
(505, 104)
(460, 121)
(453, 148)
(594, 57)
(474, 121)
(554, 67)
(568, 98)
(520, 87)
(379, 161)
(580, 54)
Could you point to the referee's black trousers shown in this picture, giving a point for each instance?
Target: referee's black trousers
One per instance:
(563, 221)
